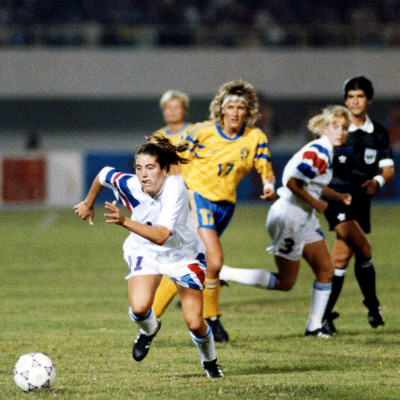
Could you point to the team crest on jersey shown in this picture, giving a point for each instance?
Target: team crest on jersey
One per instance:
(244, 153)
(370, 156)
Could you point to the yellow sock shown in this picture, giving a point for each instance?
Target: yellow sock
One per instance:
(211, 298)
(164, 294)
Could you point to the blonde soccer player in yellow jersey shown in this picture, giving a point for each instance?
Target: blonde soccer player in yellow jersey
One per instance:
(223, 150)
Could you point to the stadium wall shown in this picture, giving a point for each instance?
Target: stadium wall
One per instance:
(139, 73)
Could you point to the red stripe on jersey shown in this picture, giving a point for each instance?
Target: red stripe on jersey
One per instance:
(318, 163)
(198, 271)
(114, 182)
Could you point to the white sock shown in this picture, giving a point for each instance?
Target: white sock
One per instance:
(319, 299)
(340, 272)
(205, 345)
(251, 277)
(148, 325)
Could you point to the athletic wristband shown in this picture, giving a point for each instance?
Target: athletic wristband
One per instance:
(269, 185)
(380, 179)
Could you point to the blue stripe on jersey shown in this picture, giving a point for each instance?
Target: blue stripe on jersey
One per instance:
(306, 170)
(260, 149)
(221, 132)
(264, 156)
(189, 139)
(122, 183)
(321, 149)
(109, 175)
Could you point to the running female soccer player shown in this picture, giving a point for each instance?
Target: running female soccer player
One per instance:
(163, 241)
(222, 150)
(292, 224)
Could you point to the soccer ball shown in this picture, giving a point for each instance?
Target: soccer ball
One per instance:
(34, 371)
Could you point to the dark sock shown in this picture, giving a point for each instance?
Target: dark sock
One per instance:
(365, 274)
(337, 284)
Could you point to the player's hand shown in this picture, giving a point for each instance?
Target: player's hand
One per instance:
(269, 194)
(371, 186)
(84, 211)
(115, 216)
(321, 206)
(346, 199)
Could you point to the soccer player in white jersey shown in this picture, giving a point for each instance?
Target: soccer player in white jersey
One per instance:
(163, 240)
(292, 224)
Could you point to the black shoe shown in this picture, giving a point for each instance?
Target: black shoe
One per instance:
(318, 333)
(142, 344)
(212, 369)
(327, 324)
(375, 317)
(223, 283)
(220, 334)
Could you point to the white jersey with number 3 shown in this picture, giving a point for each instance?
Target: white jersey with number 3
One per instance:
(291, 221)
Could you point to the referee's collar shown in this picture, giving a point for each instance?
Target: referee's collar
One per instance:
(367, 127)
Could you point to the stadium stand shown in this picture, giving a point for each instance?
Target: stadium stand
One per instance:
(228, 23)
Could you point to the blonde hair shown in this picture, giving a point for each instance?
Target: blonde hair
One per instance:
(236, 88)
(174, 94)
(328, 115)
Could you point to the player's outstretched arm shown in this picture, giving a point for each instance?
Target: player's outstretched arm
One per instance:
(156, 234)
(85, 208)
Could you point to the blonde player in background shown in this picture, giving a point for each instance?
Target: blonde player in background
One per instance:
(175, 107)
(292, 224)
(223, 150)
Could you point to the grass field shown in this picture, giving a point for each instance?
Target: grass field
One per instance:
(63, 293)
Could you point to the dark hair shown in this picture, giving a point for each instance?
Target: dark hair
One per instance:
(165, 152)
(359, 83)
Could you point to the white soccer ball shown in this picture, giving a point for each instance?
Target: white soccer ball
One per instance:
(34, 371)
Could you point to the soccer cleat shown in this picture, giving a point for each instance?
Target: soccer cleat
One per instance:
(212, 369)
(142, 344)
(327, 324)
(318, 333)
(220, 334)
(375, 317)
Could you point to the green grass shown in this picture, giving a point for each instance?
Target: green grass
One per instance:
(63, 293)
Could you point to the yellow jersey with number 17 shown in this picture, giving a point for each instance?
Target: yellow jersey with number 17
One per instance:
(218, 162)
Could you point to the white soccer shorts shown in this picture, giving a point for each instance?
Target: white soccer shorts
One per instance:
(291, 228)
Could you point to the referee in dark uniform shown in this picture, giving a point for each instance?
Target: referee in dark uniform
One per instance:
(361, 166)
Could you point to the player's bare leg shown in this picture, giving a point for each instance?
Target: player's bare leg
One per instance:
(141, 296)
(287, 273)
(202, 335)
(215, 259)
